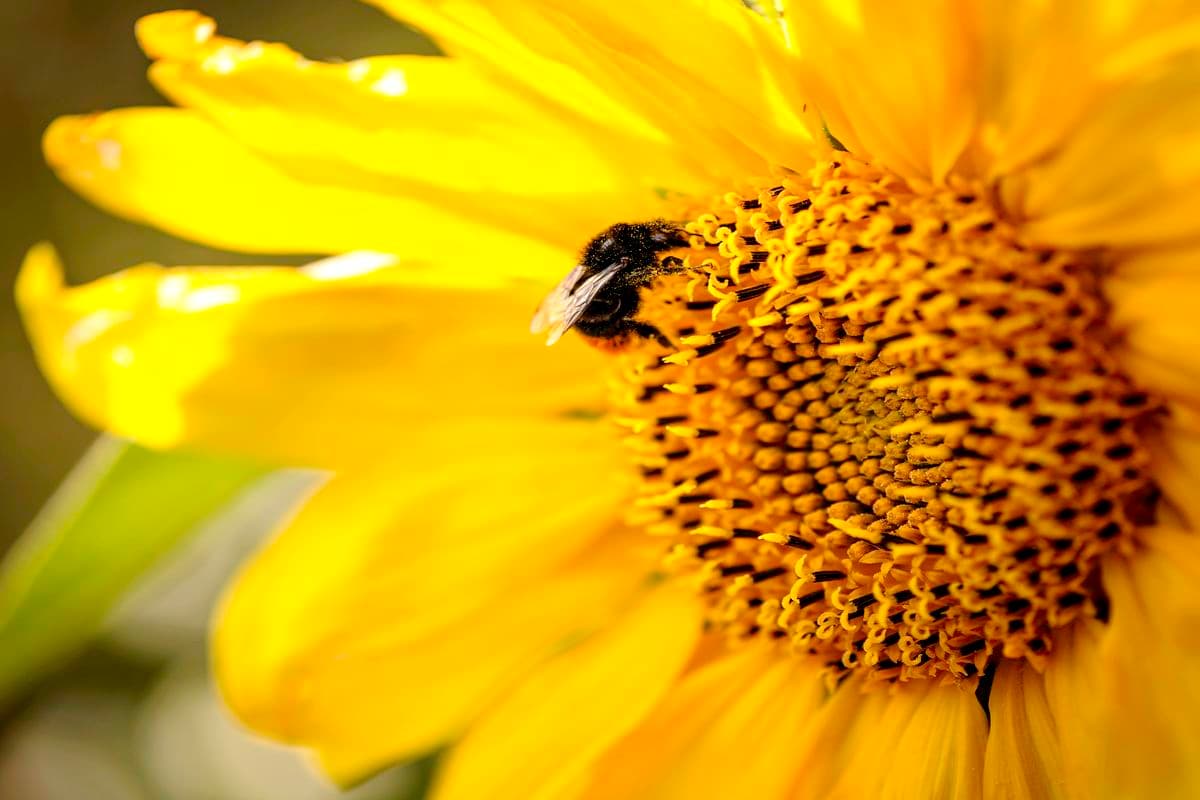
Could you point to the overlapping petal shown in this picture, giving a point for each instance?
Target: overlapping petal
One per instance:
(540, 741)
(1024, 757)
(342, 362)
(1074, 696)
(427, 591)
(1085, 113)
(1120, 152)
(1044, 69)
(172, 169)
(895, 84)
(1155, 312)
(730, 728)
(1114, 715)
(1122, 697)
(1176, 453)
(433, 128)
(710, 75)
(940, 753)
(924, 742)
(1149, 728)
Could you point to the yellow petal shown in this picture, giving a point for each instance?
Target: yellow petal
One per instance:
(1074, 696)
(540, 741)
(847, 726)
(1023, 753)
(1176, 454)
(344, 361)
(403, 598)
(940, 753)
(472, 32)
(728, 729)
(1124, 697)
(1128, 172)
(426, 693)
(1156, 314)
(712, 76)
(428, 127)
(924, 742)
(1150, 671)
(173, 169)
(1025, 115)
(1159, 262)
(896, 87)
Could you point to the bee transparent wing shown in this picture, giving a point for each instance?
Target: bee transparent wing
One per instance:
(550, 310)
(563, 307)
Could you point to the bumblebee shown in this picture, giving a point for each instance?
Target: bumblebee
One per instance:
(601, 295)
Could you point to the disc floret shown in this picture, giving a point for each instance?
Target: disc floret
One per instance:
(887, 431)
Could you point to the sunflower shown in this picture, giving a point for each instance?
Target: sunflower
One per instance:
(870, 474)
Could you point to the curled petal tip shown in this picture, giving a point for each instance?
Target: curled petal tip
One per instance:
(174, 34)
(77, 142)
(41, 275)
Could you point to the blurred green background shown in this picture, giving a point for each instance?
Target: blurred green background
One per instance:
(76, 56)
(134, 716)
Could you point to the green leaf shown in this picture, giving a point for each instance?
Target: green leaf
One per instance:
(119, 511)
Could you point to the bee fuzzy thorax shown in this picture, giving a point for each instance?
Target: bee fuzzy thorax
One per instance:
(601, 296)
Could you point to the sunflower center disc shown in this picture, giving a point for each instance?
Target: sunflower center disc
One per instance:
(888, 432)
